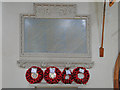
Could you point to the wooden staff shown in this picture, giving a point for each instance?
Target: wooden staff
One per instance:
(101, 48)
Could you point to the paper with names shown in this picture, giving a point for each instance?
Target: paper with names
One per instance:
(81, 70)
(52, 70)
(34, 70)
(68, 72)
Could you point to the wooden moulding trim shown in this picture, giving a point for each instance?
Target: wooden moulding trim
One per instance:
(116, 73)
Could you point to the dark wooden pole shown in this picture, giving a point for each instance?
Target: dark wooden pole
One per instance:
(101, 48)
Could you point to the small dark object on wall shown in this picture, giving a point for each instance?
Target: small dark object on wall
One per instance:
(111, 2)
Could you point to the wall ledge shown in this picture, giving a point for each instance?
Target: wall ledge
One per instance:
(28, 63)
(59, 85)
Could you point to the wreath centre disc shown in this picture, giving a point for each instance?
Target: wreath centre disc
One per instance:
(67, 76)
(80, 75)
(34, 75)
(52, 75)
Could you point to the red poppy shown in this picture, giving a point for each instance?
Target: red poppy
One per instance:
(78, 80)
(32, 80)
(64, 80)
(50, 80)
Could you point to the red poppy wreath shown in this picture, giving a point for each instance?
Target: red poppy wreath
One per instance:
(67, 77)
(34, 75)
(78, 71)
(52, 75)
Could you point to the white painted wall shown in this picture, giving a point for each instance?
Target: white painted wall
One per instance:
(101, 73)
(0, 45)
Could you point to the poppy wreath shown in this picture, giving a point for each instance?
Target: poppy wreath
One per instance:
(67, 81)
(52, 80)
(32, 80)
(78, 80)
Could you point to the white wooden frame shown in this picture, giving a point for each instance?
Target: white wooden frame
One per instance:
(56, 59)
